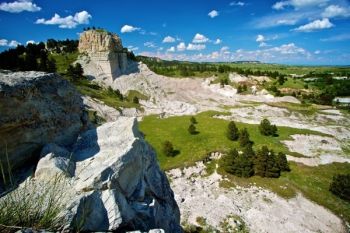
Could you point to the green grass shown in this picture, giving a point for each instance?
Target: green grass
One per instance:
(305, 109)
(133, 93)
(88, 88)
(64, 60)
(293, 83)
(312, 182)
(211, 137)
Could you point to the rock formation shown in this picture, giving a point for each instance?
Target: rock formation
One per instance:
(116, 184)
(36, 108)
(103, 56)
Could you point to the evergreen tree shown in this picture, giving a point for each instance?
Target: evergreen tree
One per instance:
(261, 161)
(266, 128)
(243, 166)
(340, 186)
(192, 129)
(232, 131)
(193, 120)
(273, 169)
(168, 148)
(51, 65)
(135, 100)
(244, 138)
(227, 161)
(282, 162)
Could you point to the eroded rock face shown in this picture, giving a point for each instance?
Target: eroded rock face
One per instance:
(117, 183)
(36, 108)
(103, 55)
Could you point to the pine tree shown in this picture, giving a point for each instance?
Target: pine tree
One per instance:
(261, 161)
(243, 166)
(192, 129)
(193, 120)
(232, 131)
(168, 148)
(244, 138)
(340, 186)
(273, 169)
(282, 162)
(227, 161)
(266, 128)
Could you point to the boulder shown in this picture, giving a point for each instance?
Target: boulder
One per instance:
(36, 109)
(117, 183)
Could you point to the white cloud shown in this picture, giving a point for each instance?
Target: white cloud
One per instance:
(12, 43)
(195, 46)
(298, 4)
(263, 44)
(290, 48)
(3, 42)
(335, 11)
(237, 3)
(315, 25)
(218, 41)
(317, 52)
(19, 6)
(171, 49)
(181, 46)
(213, 14)
(150, 44)
(128, 28)
(199, 38)
(70, 21)
(31, 42)
(168, 39)
(260, 38)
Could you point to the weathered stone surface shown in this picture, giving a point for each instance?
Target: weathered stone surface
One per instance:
(36, 108)
(103, 55)
(118, 184)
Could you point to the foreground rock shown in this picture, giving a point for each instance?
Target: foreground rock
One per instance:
(117, 183)
(33, 112)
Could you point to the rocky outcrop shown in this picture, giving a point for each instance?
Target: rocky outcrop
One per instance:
(103, 56)
(36, 108)
(117, 184)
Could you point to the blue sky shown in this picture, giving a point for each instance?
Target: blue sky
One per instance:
(277, 31)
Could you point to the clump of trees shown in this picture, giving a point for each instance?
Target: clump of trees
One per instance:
(267, 129)
(168, 149)
(75, 72)
(62, 46)
(340, 186)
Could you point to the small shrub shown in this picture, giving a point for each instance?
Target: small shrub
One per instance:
(135, 100)
(168, 148)
(340, 186)
(193, 120)
(192, 129)
(244, 139)
(267, 129)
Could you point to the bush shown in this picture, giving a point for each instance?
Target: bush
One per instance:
(135, 100)
(267, 129)
(168, 148)
(193, 120)
(340, 186)
(192, 129)
(232, 131)
(75, 72)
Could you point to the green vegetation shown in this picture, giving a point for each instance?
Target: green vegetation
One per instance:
(340, 186)
(312, 182)
(34, 205)
(267, 129)
(212, 137)
(232, 131)
(168, 149)
(63, 60)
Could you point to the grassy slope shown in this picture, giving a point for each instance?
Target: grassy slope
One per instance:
(211, 137)
(313, 182)
(64, 60)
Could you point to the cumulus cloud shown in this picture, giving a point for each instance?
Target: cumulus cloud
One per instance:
(168, 39)
(336, 11)
(181, 46)
(195, 46)
(70, 21)
(213, 14)
(260, 38)
(19, 6)
(199, 38)
(263, 44)
(12, 43)
(237, 3)
(171, 49)
(218, 41)
(315, 25)
(298, 4)
(128, 28)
